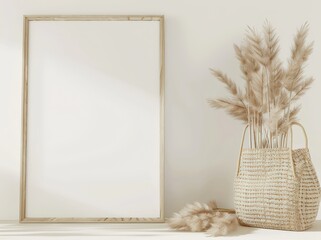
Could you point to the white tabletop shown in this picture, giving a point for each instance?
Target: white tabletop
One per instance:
(13, 230)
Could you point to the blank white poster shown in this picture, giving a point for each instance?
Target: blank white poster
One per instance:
(94, 123)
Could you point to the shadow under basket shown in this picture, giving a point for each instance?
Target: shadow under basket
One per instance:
(276, 188)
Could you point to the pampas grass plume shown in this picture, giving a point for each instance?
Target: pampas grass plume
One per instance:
(200, 217)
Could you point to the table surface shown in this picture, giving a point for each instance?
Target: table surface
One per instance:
(13, 230)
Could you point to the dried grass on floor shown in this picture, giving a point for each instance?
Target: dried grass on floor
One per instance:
(201, 217)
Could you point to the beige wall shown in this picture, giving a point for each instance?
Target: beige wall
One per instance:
(201, 143)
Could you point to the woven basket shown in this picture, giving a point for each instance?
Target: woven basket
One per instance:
(276, 188)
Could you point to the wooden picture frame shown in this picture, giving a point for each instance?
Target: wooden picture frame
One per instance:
(45, 166)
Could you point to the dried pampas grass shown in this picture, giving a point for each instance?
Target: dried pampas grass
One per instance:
(267, 104)
(223, 223)
(201, 217)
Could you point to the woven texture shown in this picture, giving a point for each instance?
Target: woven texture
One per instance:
(269, 195)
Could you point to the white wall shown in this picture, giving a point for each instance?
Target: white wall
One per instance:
(201, 144)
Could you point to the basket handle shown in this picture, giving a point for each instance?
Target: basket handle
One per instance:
(304, 133)
(291, 147)
(241, 148)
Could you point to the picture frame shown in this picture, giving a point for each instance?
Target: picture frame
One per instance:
(47, 75)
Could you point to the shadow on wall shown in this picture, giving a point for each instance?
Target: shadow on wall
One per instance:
(316, 227)
(197, 169)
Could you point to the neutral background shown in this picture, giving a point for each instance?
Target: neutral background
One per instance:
(201, 144)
